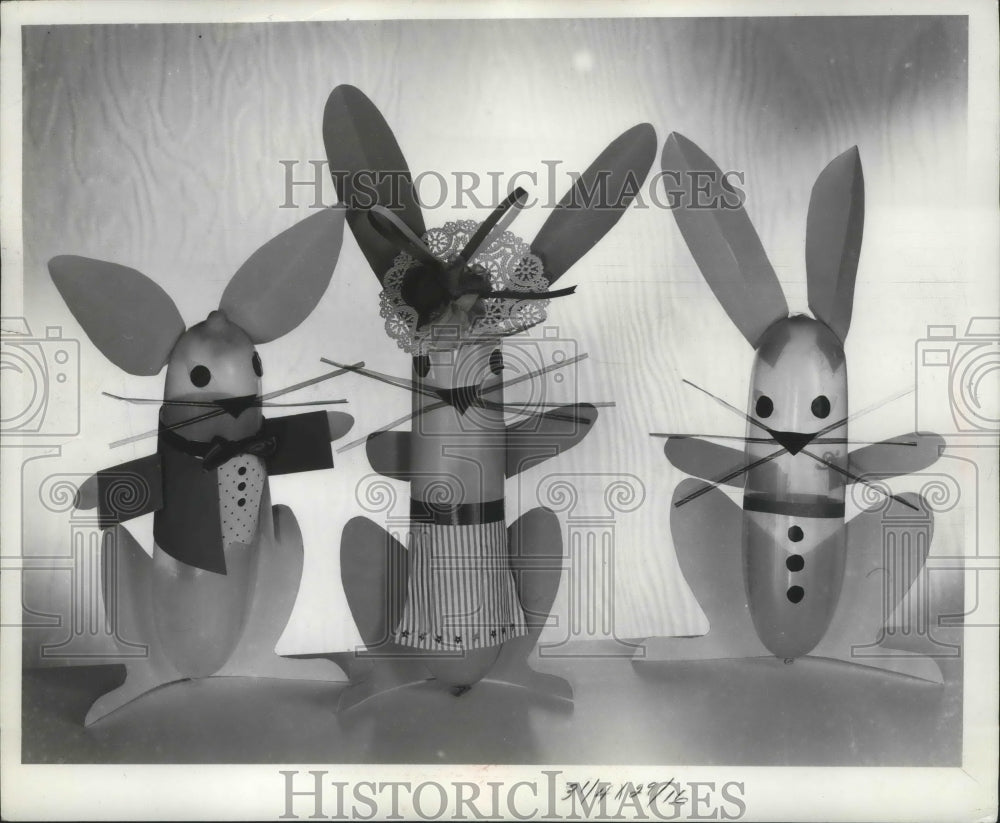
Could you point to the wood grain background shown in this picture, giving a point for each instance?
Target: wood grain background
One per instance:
(160, 147)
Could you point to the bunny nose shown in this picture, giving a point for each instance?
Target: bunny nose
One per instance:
(793, 441)
(217, 320)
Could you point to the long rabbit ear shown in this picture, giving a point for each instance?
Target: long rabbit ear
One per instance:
(368, 169)
(834, 228)
(282, 282)
(128, 317)
(596, 201)
(722, 241)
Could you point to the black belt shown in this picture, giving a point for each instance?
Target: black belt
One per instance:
(463, 514)
(802, 506)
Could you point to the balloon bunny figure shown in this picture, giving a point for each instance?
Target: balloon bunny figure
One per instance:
(217, 592)
(805, 585)
(468, 596)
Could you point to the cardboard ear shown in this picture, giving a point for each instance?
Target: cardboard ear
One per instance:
(834, 229)
(722, 240)
(596, 201)
(282, 282)
(126, 315)
(368, 169)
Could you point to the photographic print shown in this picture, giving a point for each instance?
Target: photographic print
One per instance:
(445, 411)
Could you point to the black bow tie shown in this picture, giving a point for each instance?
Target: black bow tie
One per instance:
(220, 450)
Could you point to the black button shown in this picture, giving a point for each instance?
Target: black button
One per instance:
(795, 593)
(795, 562)
(242, 470)
(795, 534)
(241, 487)
(241, 502)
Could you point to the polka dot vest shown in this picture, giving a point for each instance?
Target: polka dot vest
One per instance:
(241, 484)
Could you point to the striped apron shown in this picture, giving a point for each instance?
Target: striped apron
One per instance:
(461, 592)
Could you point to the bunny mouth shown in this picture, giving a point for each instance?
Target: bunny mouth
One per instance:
(235, 406)
(793, 441)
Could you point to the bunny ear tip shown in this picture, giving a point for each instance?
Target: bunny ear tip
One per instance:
(853, 154)
(675, 138)
(346, 93)
(680, 149)
(57, 265)
(641, 137)
(850, 157)
(645, 133)
(643, 130)
(345, 88)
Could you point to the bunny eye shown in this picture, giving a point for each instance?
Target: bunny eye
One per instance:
(496, 362)
(200, 376)
(821, 406)
(258, 367)
(764, 406)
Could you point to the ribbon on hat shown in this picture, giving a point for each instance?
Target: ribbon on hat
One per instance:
(450, 290)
